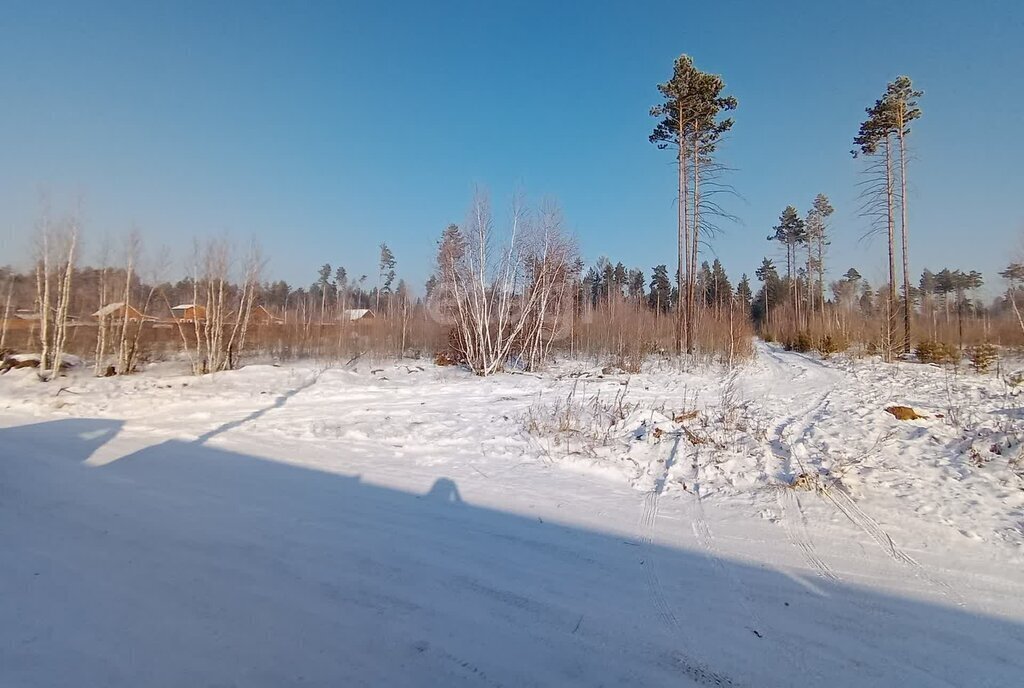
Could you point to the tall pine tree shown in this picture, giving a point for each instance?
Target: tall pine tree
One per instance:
(689, 121)
(659, 298)
(901, 99)
(875, 140)
(817, 240)
(790, 232)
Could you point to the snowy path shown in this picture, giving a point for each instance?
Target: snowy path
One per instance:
(333, 528)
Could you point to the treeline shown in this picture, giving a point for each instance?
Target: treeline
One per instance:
(514, 295)
(488, 308)
(795, 302)
(944, 307)
(606, 309)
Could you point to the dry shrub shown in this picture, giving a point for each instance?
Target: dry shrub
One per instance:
(580, 423)
(804, 481)
(801, 343)
(445, 358)
(628, 333)
(943, 332)
(925, 351)
(936, 352)
(832, 344)
(632, 354)
(982, 357)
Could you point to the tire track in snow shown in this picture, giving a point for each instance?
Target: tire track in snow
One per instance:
(654, 587)
(705, 536)
(782, 445)
(849, 508)
(793, 516)
(794, 519)
(458, 666)
(788, 436)
(696, 671)
(702, 531)
(647, 520)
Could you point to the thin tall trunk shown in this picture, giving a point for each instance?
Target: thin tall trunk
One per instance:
(134, 350)
(1013, 302)
(43, 301)
(63, 304)
(7, 314)
(683, 274)
(791, 275)
(821, 267)
(101, 326)
(122, 351)
(810, 285)
(904, 231)
(890, 306)
(691, 302)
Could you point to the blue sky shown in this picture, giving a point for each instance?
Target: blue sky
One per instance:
(326, 128)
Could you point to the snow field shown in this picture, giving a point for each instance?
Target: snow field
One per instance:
(402, 524)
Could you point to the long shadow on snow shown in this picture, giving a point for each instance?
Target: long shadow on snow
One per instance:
(187, 565)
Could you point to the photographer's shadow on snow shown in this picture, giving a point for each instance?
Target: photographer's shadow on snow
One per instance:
(184, 564)
(444, 491)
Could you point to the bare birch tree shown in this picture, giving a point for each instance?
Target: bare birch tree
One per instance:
(55, 261)
(132, 248)
(7, 313)
(504, 301)
(102, 323)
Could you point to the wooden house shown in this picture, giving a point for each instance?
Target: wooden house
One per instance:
(189, 312)
(118, 311)
(358, 314)
(261, 316)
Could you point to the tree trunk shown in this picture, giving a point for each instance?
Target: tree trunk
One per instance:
(691, 303)
(43, 300)
(890, 306)
(101, 326)
(63, 304)
(683, 230)
(1013, 302)
(122, 348)
(7, 314)
(810, 285)
(904, 231)
(821, 267)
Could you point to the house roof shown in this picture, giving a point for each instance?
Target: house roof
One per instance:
(108, 309)
(185, 306)
(132, 312)
(114, 307)
(357, 313)
(262, 310)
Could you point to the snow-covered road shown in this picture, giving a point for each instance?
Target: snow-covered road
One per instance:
(303, 527)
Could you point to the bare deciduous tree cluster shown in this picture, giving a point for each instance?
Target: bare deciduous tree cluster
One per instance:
(508, 295)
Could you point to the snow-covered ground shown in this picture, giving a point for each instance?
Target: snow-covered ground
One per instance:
(401, 524)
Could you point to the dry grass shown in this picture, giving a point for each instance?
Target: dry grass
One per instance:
(625, 335)
(936, 338)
